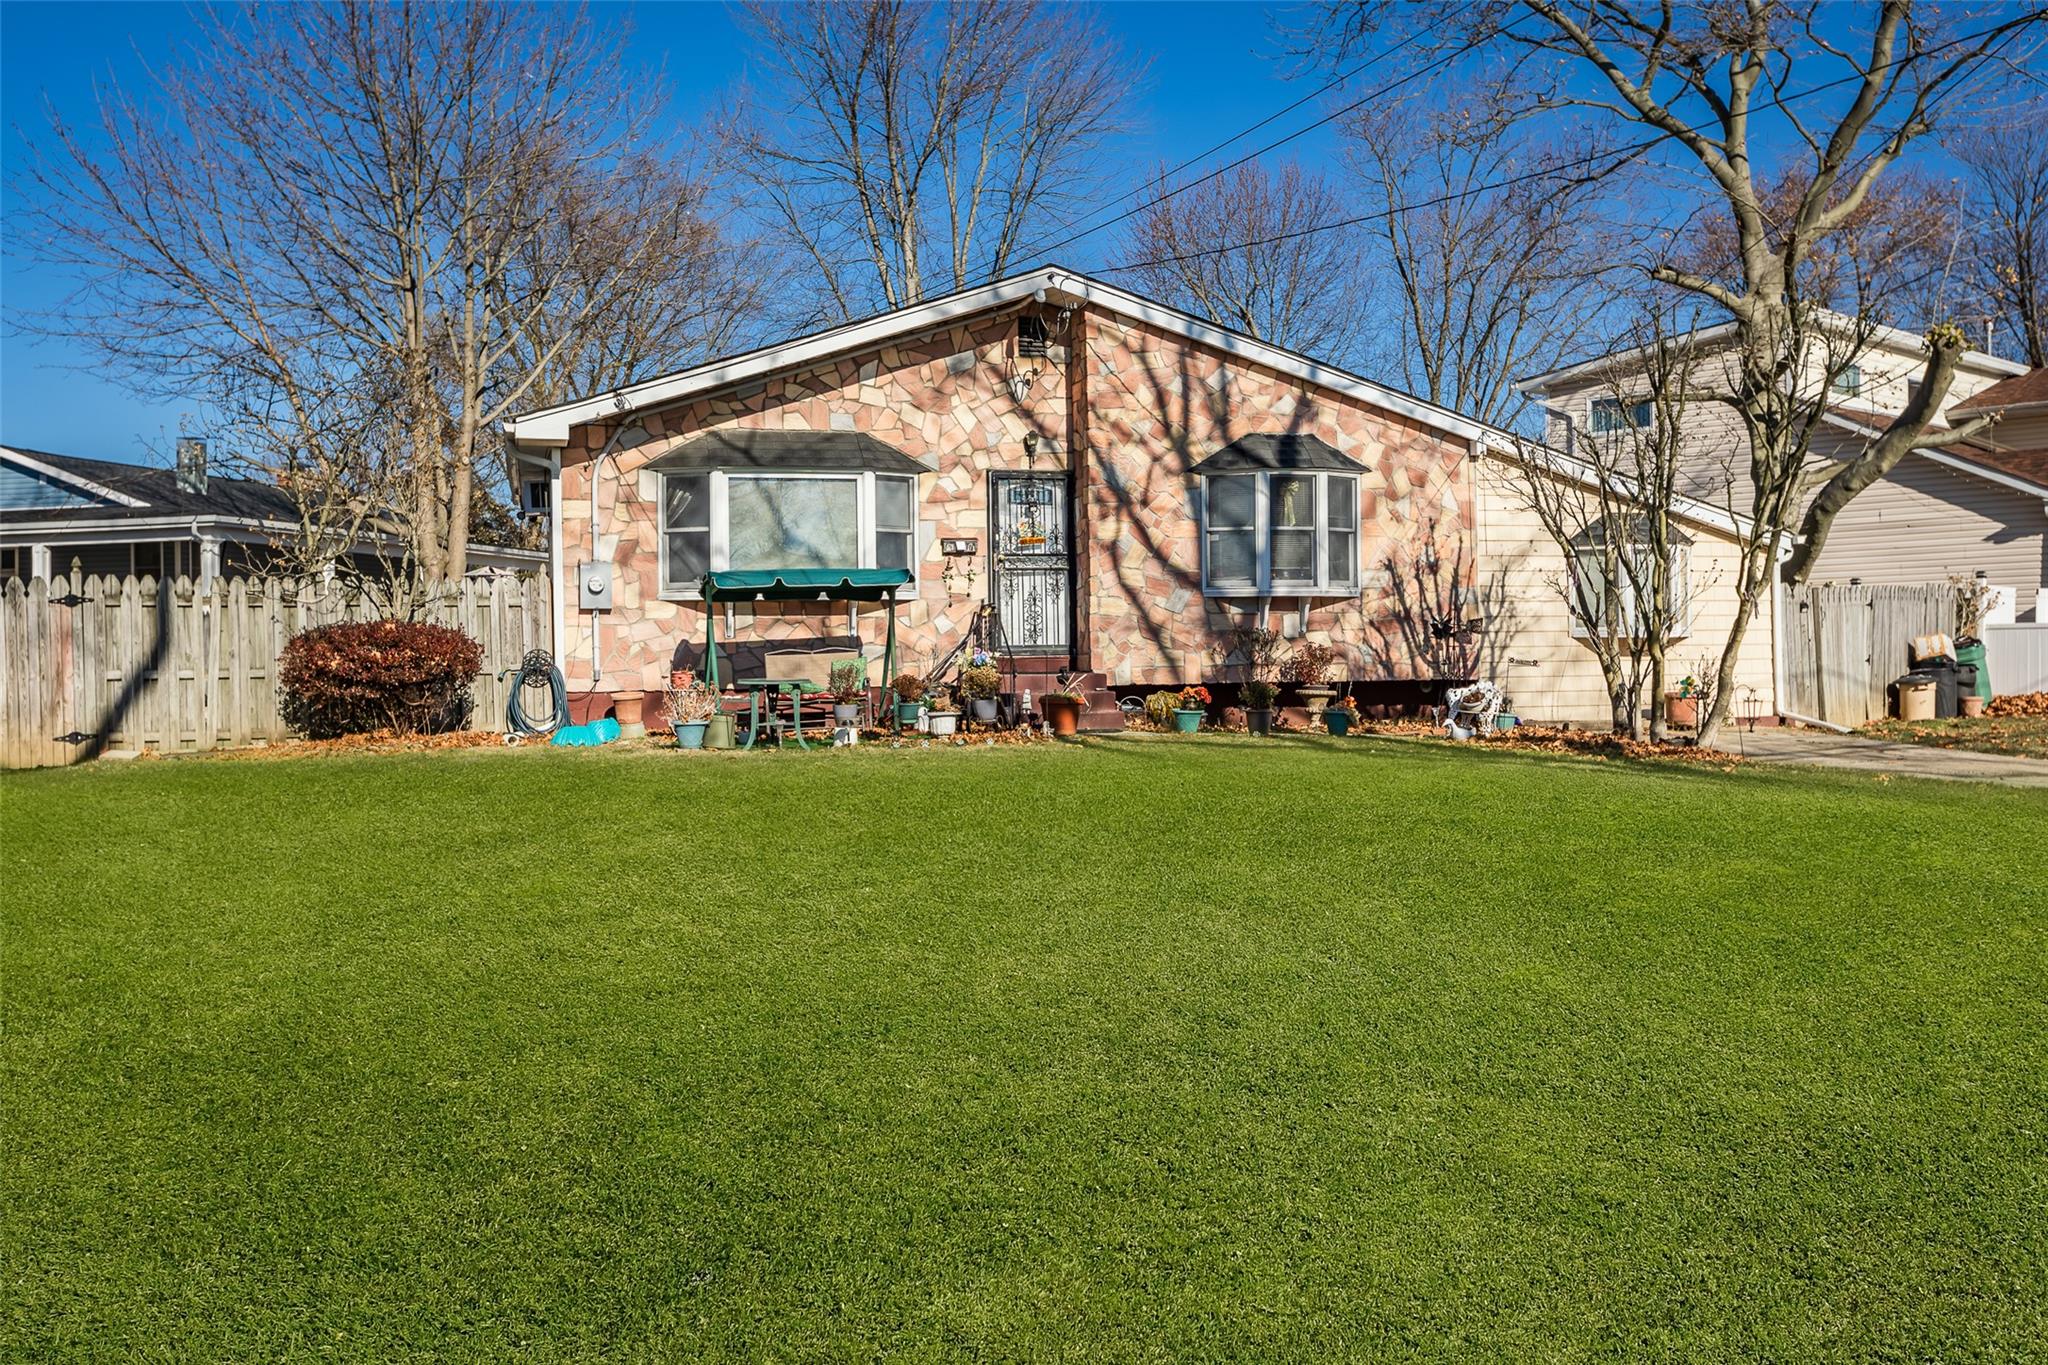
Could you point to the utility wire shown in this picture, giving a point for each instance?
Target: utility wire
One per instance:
(1332, 116)
(1624, 155)
(1031, 252)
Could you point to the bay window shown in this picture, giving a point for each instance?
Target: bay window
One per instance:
(1286, 532)
(787, 519)
(1618, 591)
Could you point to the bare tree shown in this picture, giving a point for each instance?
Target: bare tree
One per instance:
(1703, 80)
(1609, 508)
(2008, 258)
(1491, 282)
(1435, 615)
(362, 234)
(1256, 251)
(905, 149)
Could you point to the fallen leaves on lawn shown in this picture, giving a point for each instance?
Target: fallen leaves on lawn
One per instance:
(375, 742)
(1552, 739)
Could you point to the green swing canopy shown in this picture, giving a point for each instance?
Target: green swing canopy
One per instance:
(799, 585)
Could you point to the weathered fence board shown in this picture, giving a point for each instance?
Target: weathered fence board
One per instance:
(127, 663)
(1845, 642)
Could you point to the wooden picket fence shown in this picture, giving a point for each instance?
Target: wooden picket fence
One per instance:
(128, 664)
(1845, 643)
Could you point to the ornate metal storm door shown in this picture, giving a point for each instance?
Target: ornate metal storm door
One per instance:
(1033, 571)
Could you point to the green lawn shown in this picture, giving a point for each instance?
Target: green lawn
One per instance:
(1144, 1049)
(2026, 736)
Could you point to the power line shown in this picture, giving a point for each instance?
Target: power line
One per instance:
(1333, 115)
(1340, 79)
(1624, 155)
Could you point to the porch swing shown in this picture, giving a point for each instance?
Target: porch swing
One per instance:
(795, 585)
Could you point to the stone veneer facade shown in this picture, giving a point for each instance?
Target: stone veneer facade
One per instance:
(1141, 405)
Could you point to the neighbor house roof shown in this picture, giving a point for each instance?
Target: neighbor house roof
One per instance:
(2029, 390)
(145, 492)
(1721, 331)
(550, 427)
(1292, 451)
(2025, 471)
(739, 448)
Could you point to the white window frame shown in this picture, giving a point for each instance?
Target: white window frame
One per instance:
(1626, 623)
(719, 483)
(1263, 583)
(1627, 407)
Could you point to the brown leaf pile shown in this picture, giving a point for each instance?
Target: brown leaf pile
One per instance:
(375, 742)
(1550, 739)
(2019, 704)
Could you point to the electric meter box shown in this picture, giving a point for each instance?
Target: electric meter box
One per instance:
(594, 587)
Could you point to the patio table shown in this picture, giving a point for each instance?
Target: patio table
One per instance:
(757, 688)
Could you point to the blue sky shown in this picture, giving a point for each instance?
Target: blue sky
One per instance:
(50, 397)
(1215, 69)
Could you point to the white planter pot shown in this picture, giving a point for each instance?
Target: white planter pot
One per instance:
(942, 723)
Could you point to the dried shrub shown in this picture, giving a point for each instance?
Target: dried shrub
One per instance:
(403, 676)
(1310, 664)
(1159, 708)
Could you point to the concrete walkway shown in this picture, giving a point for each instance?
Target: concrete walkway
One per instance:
(1824, 749)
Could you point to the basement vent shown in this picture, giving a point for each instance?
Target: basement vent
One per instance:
(1032, 338)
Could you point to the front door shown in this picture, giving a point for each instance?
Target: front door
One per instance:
(1032, 573)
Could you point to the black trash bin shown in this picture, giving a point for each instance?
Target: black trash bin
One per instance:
(1942, 669)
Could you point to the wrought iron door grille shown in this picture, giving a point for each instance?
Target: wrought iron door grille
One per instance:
(1032, 574)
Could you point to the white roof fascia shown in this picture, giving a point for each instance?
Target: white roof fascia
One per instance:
(1956, 462)
(1572, 467)
(78, 481)
(551, 426)
(1894, 336)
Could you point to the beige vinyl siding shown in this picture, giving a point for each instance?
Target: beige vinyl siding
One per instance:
(1521, 577)
(1925, 522)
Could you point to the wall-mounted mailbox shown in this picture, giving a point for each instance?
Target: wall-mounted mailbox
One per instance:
(958, 545)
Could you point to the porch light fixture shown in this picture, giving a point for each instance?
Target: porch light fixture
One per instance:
(1030, 445)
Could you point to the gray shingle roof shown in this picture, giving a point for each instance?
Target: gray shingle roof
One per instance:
(746, 449)
(1248, 453)
(157, 489)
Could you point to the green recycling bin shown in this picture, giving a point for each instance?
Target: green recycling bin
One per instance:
(1970, 653)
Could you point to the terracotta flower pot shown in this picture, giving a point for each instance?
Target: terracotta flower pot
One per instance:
(1972, 704)
(1684, 712)
(1064, 713)
(629, 709)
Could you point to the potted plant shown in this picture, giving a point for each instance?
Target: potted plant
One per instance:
(981, 682)
(1194, 704)
(1341, 715)
(1258, 705)
(629, 709)
(1062, 704)
(848, 681)
(1682, 708)
(909, 690)
(1309, 667)
(689, 706)
(940, 713)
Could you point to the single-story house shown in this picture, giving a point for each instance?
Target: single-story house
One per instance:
(63, 514)
(1082, 477)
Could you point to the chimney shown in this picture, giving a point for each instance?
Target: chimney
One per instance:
(191, 464)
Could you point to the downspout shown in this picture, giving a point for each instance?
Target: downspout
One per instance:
(597, 617)
(558, 607)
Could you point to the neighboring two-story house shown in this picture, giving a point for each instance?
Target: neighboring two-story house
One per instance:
(1941, 513)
